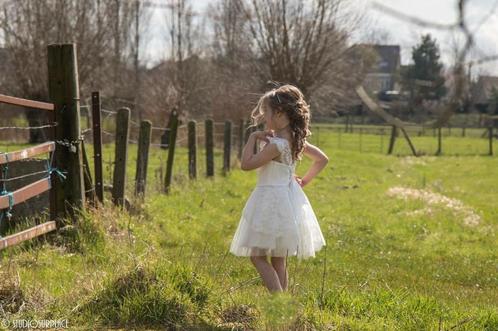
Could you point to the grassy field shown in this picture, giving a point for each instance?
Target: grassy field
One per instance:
(411, 245)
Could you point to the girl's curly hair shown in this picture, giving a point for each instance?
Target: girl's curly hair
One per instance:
(289, 100)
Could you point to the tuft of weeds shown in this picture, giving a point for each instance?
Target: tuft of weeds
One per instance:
(238, 317)
(14, 299)
(190, 283)
(150, 296)
(82, 236)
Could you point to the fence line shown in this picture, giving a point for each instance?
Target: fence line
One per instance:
(381, 131)
(8, 199)
(64, 95)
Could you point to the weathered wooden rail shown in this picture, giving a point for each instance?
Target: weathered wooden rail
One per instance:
(64, 149)
(9, 199)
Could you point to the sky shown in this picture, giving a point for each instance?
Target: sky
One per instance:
(399, 31)
(479, 16)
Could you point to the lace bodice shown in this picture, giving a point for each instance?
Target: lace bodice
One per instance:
(283, 146)
(277, 172)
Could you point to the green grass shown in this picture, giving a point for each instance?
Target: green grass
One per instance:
(168, 264)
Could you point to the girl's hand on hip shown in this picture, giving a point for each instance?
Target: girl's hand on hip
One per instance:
(300, 180)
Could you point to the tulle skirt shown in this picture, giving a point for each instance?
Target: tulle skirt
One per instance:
(278, 221)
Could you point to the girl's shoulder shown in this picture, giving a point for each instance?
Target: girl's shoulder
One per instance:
(285, 148)
(281, 142)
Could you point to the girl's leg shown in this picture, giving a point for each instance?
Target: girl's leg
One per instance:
(267, 273)
(280, 267)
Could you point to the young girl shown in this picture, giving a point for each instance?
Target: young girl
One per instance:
(278, 219)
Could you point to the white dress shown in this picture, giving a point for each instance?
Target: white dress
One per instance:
(277, 219)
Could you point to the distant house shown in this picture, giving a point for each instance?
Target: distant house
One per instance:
(383, 75)
(484, 91)
(381, 65)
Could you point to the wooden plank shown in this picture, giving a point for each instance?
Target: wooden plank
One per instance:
(89, 191)
(26, 103)
(27, 152)
(209, 145)
(30, 233)
(26, 192)
(192, 149)
(227, 146)
(120, 156)
(173, 124)
(241, 138)
(142, 158)
(63, 90)
(97, 146)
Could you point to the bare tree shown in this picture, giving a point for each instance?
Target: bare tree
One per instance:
(29, 26)
(185, 32)
(301, 42)
(233, 77)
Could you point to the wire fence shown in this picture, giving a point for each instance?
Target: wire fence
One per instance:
(376, 139)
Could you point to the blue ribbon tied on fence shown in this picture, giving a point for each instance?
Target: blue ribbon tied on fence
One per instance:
(11, 202)
(58, 172)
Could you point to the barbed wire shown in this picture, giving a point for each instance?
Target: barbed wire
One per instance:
(70, 144)
(28, 127)
(112, 112)
(159, 128)
(135, 124)
(22, 176)
(4, 192)
(158, 145)
(108, 133)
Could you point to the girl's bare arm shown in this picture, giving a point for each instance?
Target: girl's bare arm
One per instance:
(319, 158)
(252, 161)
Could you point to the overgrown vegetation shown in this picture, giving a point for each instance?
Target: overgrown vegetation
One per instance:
(391, 262)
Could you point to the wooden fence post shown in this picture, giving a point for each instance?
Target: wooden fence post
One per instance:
(227, 146)
(439, 147)
(142, 158)
(97, 146)
(241, 138)
(192, 149)
(381, 140)
(120, 156)
(209, 136)
(339, 138)
(171, 149)
(392, 140)
(89, 189)
(63, 90)
(490, 140)
(361, 137)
